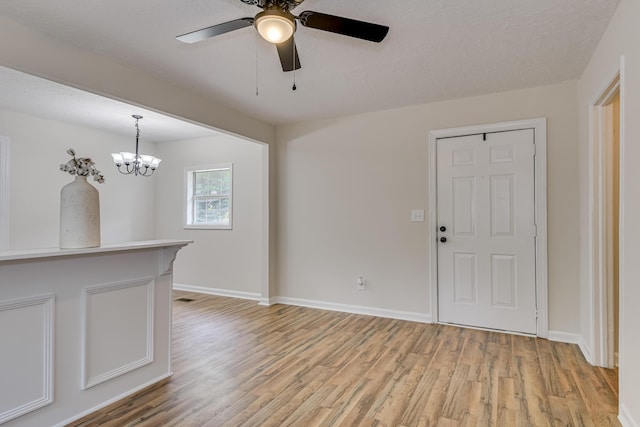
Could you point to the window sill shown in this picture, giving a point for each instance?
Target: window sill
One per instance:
(207, 227)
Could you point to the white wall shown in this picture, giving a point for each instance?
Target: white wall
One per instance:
(130, 206)
(43, 56)
(621, 38)
(218, 259)
(38, 146)
(346, 188)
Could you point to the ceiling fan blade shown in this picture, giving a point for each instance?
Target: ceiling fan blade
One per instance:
(286, 51)
(216, 30)
(345, 26)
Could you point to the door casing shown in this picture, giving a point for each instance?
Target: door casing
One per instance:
(599, 347)
(4, 192)
(539, 126)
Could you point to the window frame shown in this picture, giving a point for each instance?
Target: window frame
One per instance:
(189, 197)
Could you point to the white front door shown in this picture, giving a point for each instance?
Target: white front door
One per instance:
(486, 230)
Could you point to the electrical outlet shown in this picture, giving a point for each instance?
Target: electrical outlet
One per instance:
(361, 284)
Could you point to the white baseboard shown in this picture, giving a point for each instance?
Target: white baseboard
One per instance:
(355, 309)
(558, 336)
(567, 337)
(322, 305)
(219, 292)
(573, 339)
(625, 418)
(267, 301)
(586, 350)
(113, 400)
(570, 338)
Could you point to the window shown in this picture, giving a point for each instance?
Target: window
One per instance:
(208, 196)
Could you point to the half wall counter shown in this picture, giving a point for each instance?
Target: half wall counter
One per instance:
(82, 328)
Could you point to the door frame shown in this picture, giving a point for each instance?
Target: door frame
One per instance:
(539, 126)
(4, 193)
(600, 352)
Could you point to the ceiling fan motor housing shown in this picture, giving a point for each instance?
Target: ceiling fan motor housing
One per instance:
(283, 4)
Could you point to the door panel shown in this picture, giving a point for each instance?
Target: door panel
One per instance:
(503, 280)
(486, 266)
(502, 209)
(464, 206)
(465, 278)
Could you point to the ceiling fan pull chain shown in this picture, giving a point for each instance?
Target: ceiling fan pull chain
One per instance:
(257, 74)
(293, 47)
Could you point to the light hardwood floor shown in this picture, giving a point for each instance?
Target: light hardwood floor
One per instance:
(239, 364)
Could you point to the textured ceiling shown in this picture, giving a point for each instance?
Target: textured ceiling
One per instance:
(435, 50)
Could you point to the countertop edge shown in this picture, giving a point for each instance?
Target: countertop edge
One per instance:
(23, 254)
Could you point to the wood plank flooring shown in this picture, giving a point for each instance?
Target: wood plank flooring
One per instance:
(239, 364)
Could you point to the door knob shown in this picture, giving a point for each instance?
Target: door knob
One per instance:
(443, 239)
(443, 228)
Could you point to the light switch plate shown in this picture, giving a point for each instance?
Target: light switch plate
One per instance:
(417, 215)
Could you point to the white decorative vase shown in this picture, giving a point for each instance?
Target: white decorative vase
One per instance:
(79, 215)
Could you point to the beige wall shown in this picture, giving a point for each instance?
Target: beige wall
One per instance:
(219, 259)
(38, 146)
(621, 38)
(346, 188)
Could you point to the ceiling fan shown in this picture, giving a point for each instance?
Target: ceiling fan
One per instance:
(276, 24)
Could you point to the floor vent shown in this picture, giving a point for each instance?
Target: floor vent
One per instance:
(184, 299)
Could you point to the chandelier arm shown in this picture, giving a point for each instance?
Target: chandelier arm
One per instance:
(127, 169)
(142, 165)
(147, 171)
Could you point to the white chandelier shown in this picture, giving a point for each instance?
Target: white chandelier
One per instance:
(134, 163)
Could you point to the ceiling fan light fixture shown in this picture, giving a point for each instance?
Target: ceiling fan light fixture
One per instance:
(275, 25)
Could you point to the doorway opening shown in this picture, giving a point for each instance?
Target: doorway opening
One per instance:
(606, 226)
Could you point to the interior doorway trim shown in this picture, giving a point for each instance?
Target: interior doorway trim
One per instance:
(539, 126)
(4, 192)
(267, 281)
(600, 349)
